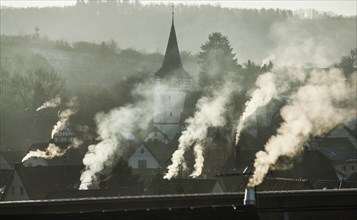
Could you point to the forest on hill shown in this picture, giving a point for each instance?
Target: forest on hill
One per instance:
(289, 36)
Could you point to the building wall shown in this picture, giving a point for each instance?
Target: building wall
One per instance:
(139, 156)
(168, 107)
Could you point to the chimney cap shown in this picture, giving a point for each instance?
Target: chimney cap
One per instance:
(249, 196)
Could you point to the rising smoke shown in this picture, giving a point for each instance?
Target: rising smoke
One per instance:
(112, 127)
(64, 116)
(53, 150)
(325, 101)
(53, 103)
(210, 113)
(266, 90)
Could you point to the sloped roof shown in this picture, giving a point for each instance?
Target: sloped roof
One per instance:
(90, 193)
(239, 183)
(172, 64)
(177, 185)
(311, 165)
(4, 177)
(160, 151)
(40, 180)
(338, 149)
(13, 156)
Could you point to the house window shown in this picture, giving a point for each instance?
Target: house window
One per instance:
(142, 151)
(141, 164)
(352, 168)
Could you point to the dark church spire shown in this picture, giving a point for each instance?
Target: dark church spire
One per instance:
(172, 58)
(172, 64)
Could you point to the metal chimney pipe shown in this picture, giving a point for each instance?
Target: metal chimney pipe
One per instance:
(249, 196)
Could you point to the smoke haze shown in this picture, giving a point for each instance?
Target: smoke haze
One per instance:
(325, 101)
(112, 127)
(210, 113)
(262, 95)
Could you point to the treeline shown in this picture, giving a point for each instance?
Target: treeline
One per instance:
(29, 78)
(254, 34)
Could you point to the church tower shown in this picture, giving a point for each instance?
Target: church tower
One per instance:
(172, 83)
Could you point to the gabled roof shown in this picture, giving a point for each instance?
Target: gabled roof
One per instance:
(38, 181)
(311, 165)
(12, 156)
(338, 149)
(160, 151)
(172, 65)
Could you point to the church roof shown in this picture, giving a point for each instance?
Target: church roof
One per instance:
(172, 65)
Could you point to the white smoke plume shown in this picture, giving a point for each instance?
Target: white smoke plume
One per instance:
(199, 160)
(53, 103)
(111, 128)
(267, 61)
(51, 151)
(265, 91)
(210, 113)
(64, 116)
(325, 101)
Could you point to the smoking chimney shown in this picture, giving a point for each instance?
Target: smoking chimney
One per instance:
(249, 196)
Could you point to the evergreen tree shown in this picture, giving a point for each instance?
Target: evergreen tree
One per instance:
(217, 60)
(348, 63)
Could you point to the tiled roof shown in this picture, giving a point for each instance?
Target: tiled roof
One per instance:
(338, 149)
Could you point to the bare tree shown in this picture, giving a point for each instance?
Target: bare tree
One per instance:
(37, 85)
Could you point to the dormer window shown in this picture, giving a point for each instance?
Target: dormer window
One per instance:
(142, 151)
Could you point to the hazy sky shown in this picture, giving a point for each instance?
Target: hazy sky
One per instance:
(348, 7)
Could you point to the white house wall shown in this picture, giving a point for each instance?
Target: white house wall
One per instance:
(151, 162)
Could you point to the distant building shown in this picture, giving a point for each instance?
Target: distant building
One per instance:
(31, 183)
(340, 147)
(64, 135)
(172, 83)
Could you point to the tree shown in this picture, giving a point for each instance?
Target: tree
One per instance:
(348, 63)
(37, 86)
(217, 60)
